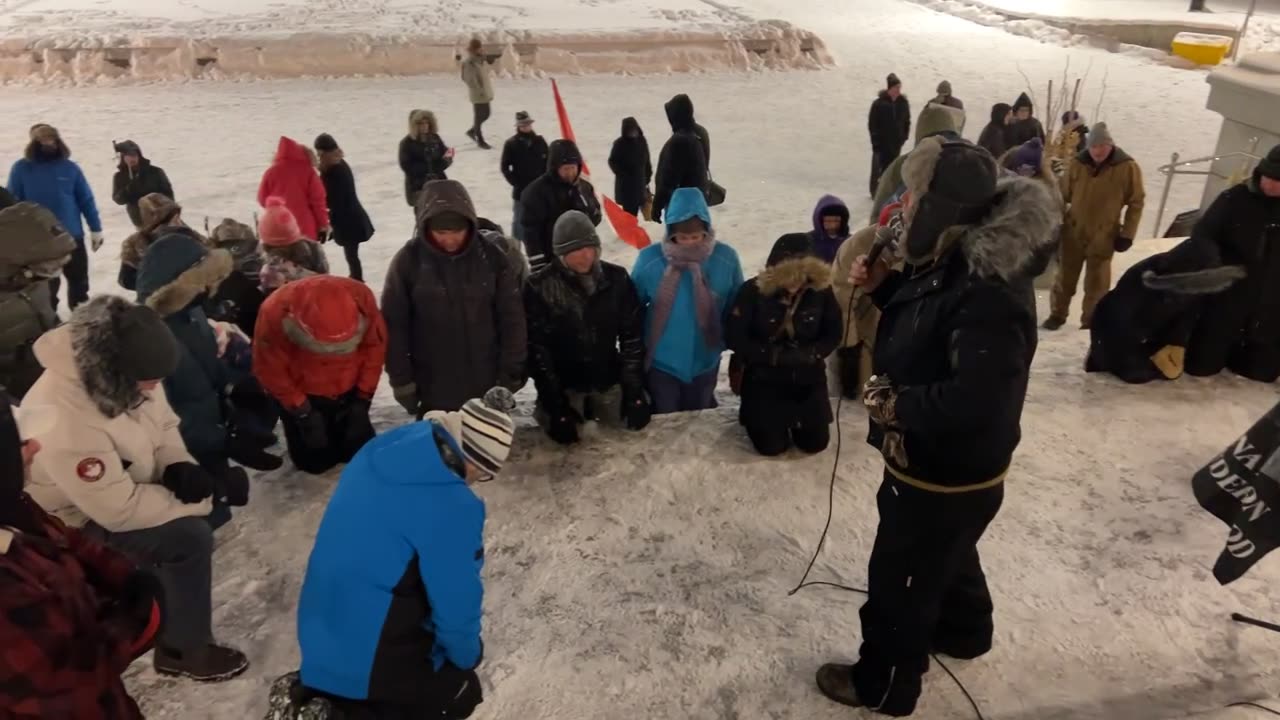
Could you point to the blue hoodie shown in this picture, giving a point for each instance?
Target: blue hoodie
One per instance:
(59, 186)
(393, 592)
(681, 351)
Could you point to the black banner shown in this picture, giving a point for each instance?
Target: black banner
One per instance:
(1240, 488)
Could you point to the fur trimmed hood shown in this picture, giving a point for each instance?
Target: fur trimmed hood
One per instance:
(416, 116)
(87, 351)
(1018, 236)
(809, 273)
(203, 277)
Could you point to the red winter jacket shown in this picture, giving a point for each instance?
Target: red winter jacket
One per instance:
(322, 336)
(292, 177)
(63, 641)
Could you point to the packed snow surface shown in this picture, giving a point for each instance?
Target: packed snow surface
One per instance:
(646, 575)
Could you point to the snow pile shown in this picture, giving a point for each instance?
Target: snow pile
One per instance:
(84, 41)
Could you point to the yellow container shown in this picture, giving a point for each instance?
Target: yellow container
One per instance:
(1201, 49)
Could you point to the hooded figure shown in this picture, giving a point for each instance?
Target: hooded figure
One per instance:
(287, 253)
(561, 189)
(97, 612)
(952, 358)
(116, 466)
(319, 350)
(783, 325)
(293, 178)
(685, 160)
(830, 227)
(686, 284)
(424, 156)
(455, 321)
(944, 97)
(632, 170)
(1025, 126)
(995, 136)
(238, 298)
(351, 224)
(47, 177)
(389, 615)
(160, 216)
(586, 344)
(1141, 328)
(935, 120)
(135, 179)
(33, 249)
(1072, 137)
(1239, 330)
(524, 159)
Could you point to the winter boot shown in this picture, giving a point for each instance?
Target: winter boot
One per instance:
(836, 682)
(289, 700)
(248, 450)
(471, 133)
(1053, 323)
(480, 141)
(211, 663)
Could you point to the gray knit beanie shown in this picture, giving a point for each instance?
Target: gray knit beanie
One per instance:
(573, 231)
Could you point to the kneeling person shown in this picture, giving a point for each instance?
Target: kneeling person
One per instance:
(586, 350)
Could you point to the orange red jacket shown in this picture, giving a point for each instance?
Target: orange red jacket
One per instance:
(293, 177)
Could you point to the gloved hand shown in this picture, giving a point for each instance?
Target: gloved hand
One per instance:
(850, 359)
(188, 482)
(637, 412)
(96, 240)
(881, 400)
(233, 487)
(359, 428)
(312, 425)
(563, 426)
(326, 234)
(407, 396)
(1123, 243)
(464, 696)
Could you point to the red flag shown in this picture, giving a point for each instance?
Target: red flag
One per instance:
(626, 225)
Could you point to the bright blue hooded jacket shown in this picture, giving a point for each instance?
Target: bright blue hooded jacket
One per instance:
(392, 592)
(681, 352)
(59, 186)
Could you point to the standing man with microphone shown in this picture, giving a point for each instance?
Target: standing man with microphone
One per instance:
(952, 359)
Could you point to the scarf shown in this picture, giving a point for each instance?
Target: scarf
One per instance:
(681, 259)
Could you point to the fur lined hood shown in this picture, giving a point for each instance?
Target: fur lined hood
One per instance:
(1018, 236)
(86, 351)
(416, 116)
(809, 273)
(203, 277)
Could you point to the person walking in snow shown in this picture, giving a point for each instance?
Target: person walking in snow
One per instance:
(889, 123)
(33, 249)
(1024, 126)
(160, 216)
(560, 189)
(1104, 195)
(448, 282)
(830, 227)
(956, 342)
(632, 167)
(685, 160)
(995, 136)
(288, 255)
(389, 615)
(686, 284)
(292, 177)
(935, 120)
(524, 159)
(135, 179)
(319, 351)
(476, 75)
(351, 224)
(783, 324)
(586, 344)
(424, 156)
(74, 614)
(47, 177)
(115, 466)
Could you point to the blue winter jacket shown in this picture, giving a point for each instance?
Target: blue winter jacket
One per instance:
(681, 351)
(58, 185)
(392, 592)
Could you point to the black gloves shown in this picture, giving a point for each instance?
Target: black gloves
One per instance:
(188, 482)
(563, 426)
(232, 488)
(1123, 243)
(464, 696)
(359, 429)
(637, 412)
(851, 371)
(407, 396)
(312, 427)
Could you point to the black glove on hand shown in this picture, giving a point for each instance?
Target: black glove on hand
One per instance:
(359, 428)
(465, 696)
(563, 426)
(851, 371)
(311, 423)
(637, 412)
(233, 487)
(1123, 244)
(188, 482)
(407, 396)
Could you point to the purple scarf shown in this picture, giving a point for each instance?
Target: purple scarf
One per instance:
(682, 258)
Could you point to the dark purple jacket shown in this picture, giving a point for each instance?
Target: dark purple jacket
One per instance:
(826, 246)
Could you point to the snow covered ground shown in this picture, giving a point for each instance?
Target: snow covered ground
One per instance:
(648, 574)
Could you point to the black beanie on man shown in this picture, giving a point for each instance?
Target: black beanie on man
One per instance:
(1270, 165)
(892, 81)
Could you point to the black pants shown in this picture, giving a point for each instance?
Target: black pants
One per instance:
(77, 274)
(482, 111)
(180, 553)
(926, 590)
(771, 440)
(340, 448)
(880, 161)
(355, 269)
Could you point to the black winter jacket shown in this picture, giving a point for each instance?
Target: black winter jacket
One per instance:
(784, 381)
(549, 197)
(889, 122)
(631, 165)
(584, 343)
(1240, 329)
(421, 161)
(685, 159)
(347, 217)
(956, 339)
(130, 186)
(1023, 131)
(524, 159)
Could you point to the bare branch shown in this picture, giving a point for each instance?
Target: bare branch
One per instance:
(1097, 111)
(1030, 92)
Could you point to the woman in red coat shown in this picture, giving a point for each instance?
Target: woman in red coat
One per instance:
(293, 176)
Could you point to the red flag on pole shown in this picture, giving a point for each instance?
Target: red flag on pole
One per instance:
(626, 225)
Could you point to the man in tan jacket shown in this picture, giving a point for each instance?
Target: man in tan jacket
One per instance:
(860, 316)
(1101, 185)
(475, 73)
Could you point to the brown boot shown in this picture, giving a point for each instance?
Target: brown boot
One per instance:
(211, 663)
(836, 682)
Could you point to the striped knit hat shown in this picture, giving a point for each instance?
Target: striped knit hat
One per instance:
(487, 429)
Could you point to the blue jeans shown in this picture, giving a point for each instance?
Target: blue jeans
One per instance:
(669, 395)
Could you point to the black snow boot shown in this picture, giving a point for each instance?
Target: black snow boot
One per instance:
(249, 449)
(480, 141)
(836, 682)
(1053, 323)
(212, 663)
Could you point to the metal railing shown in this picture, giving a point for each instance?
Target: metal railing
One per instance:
(1175, 168)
